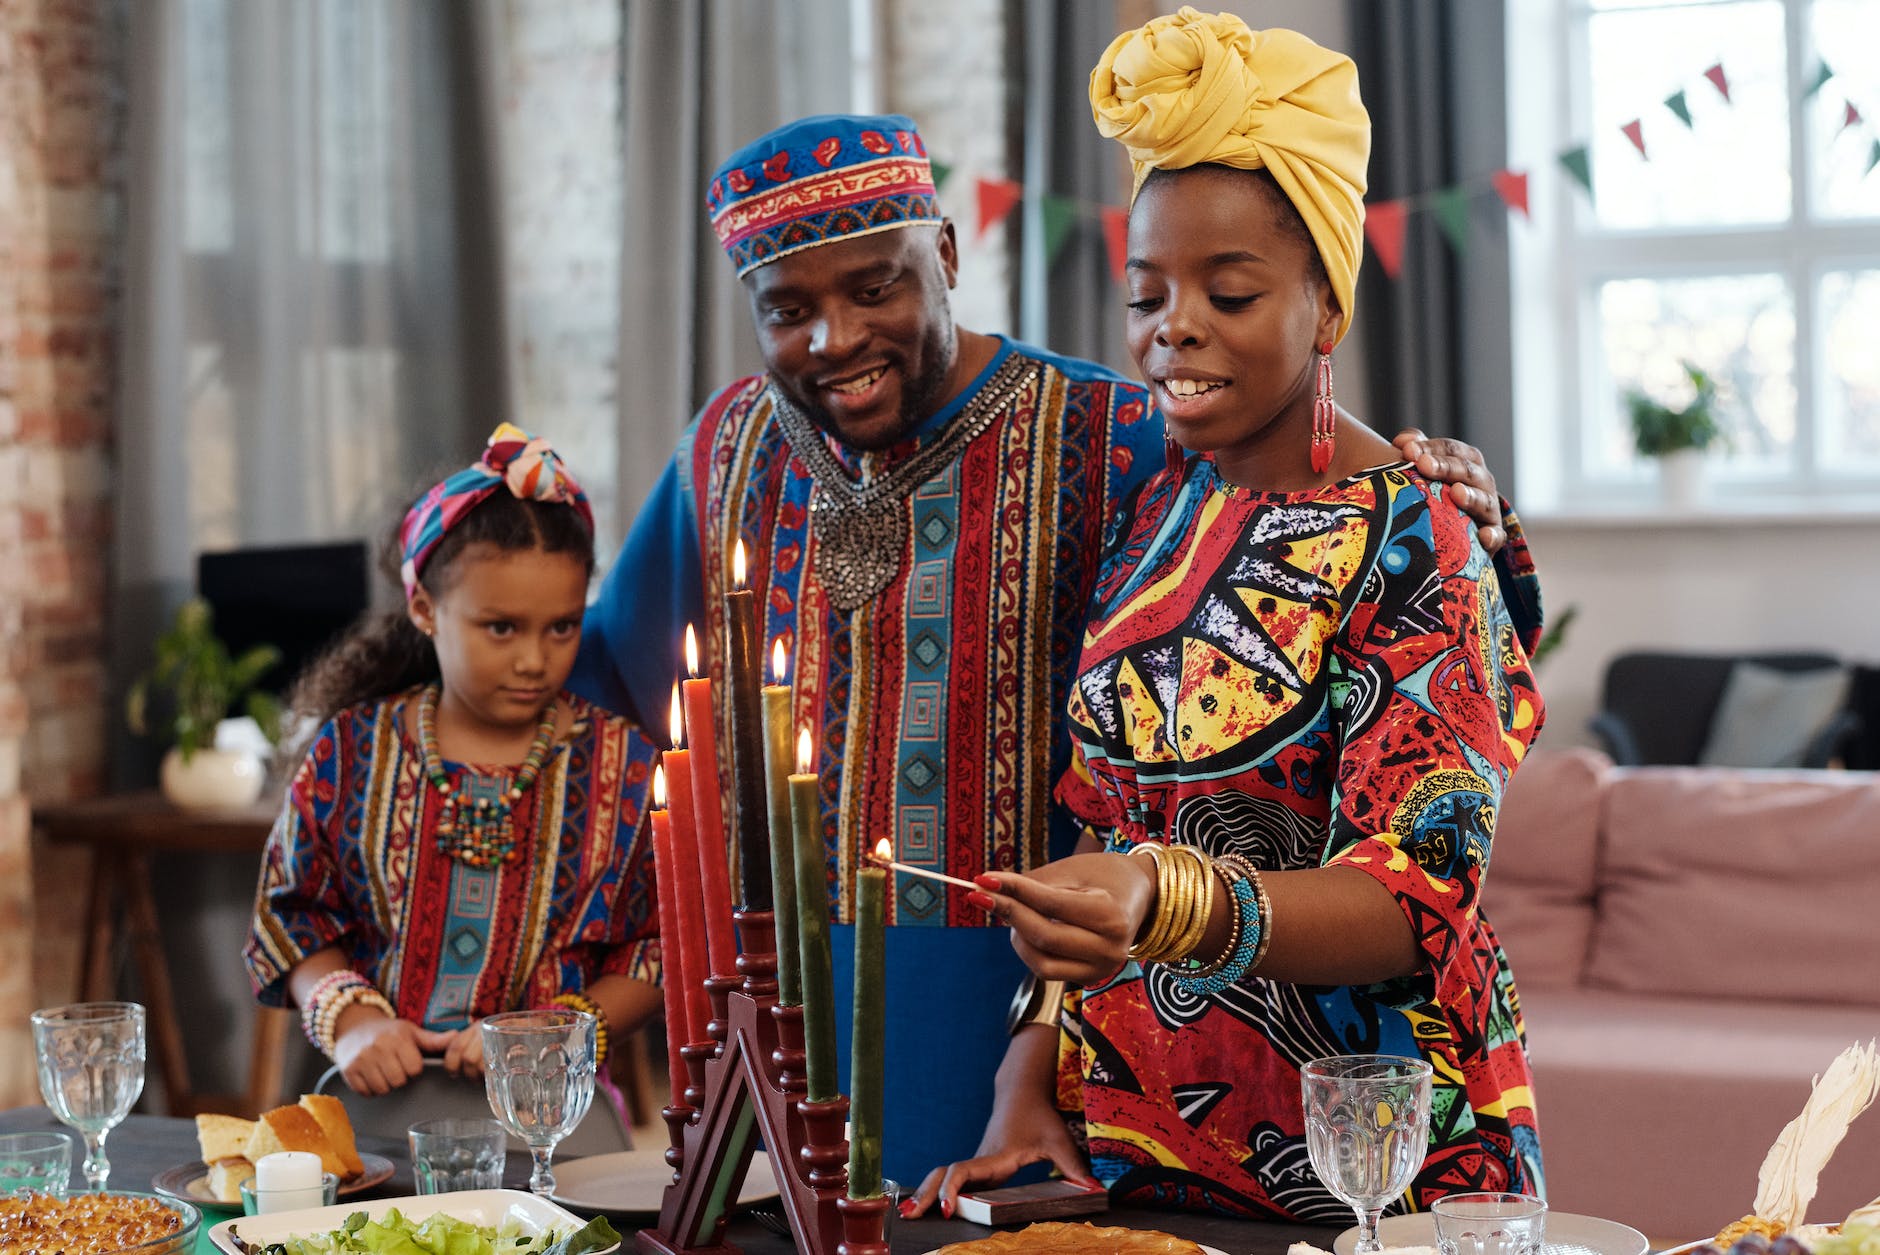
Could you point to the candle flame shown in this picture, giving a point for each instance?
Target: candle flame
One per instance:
(691, 651)
(737, 564)
(659, 787)
(779, 661)
(803, 759)
(884, 851)
(678, 720)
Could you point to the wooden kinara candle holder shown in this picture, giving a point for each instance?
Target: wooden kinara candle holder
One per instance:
(749, 1079)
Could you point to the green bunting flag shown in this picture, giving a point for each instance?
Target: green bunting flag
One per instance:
(1873, 159)
(1822, 75)
(1675, 103)
(1577, 164)
(1060, 215)
(940, 171)
(1452, 215)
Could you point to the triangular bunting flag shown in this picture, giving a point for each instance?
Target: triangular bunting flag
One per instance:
(1722, 84)
(1635, 131)
(1115, 238)
(1383, 226)
(940, 172)
(1511, 186)
(1851, 117)
(1452, 215)
(997, 199)
(1575, 160)
(1873, 159)
(1060, 217)
(1675, 103)
(1822, 75)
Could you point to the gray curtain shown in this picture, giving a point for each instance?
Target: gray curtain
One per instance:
(1071, 306)
(1436, 339)
(701, 79)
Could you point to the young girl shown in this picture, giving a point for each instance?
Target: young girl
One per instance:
(464, 836)
(1300, 697)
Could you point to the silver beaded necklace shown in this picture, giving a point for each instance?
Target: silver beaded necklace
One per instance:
(861, 525)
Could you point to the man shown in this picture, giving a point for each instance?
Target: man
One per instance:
(923, 507)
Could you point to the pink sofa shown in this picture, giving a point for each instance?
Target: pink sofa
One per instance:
(1692, 945)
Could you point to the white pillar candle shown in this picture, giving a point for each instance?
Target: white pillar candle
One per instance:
(288, 1180)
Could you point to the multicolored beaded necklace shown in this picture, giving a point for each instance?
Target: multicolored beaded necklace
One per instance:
(473, 827)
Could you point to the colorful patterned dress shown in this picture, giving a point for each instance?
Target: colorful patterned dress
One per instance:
(350, 863)
(1309, 679)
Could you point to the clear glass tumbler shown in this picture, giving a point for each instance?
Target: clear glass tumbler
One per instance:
(41, 1162)
(538, 1070)
(91, 1069)
(1490, 1224)
(1367, 1130)
(451, 1154)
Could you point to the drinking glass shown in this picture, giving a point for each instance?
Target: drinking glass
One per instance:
(538, 1069)
(41, 1162)
(91, 1069)
(451, 1154)
(1490, 1224)
(1367, 1130)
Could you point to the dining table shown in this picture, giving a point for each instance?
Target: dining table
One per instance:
(144, 1147)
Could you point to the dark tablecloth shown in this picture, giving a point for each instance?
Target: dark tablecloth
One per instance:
(144, 1146)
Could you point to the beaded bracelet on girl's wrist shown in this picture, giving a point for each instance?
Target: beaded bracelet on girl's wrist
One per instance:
(329, 998)
(581, 1002)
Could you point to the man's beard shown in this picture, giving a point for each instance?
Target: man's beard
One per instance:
(919, 400)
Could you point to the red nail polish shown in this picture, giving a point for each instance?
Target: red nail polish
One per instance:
(907, 1209)
(946, 1208)
(981, 900)
(986, 880)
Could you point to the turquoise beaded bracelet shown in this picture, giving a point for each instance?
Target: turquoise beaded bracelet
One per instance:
(1247, 908)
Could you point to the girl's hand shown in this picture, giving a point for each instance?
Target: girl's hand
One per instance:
(1024, 1129)
(1074, 919)
(1465, 477)
(377, 1054)
(464, 1056)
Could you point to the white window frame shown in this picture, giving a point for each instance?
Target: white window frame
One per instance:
(1560, 259)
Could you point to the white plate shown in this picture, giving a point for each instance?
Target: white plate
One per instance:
(1807, 1235)
(483, 1207)
(636, 1180)
(1206, 1250)
(1567, 1234)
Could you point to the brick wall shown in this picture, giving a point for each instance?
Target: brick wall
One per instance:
(60, 169)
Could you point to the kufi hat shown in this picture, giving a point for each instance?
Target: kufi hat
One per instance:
(817, 181)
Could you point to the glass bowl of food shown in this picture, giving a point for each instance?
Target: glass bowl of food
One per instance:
(110, 1222)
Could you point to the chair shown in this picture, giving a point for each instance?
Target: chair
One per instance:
(435, 1093)
(1659, 708)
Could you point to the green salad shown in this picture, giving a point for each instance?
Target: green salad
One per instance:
(438, 1234)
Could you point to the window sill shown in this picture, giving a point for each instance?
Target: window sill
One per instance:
(1772, 512)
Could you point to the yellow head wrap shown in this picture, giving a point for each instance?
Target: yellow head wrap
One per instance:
(1197, 88)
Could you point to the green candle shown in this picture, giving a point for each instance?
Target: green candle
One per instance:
(782, 855)
(812, 909)
(867, 1048)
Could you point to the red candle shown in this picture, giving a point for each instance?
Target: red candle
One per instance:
(672, 954)
(721, 940)
(677, 763)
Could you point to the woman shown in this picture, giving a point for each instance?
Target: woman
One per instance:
(1298, 666)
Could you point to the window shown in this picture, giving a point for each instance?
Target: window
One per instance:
(1747, 244)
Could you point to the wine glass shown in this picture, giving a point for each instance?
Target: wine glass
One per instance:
(538, 1069)
(1367, 1130)
(91, 1069)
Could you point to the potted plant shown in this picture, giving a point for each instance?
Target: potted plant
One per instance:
(1678, 437)
(202, 683)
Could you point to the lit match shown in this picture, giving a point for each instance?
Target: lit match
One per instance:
(883, 856)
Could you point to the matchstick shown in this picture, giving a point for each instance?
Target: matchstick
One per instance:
(878, 861)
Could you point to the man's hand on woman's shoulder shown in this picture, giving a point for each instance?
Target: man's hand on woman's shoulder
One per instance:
(1466, 478)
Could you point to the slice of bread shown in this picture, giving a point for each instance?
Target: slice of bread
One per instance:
(293, 1128)
(226, 1177)
(331, 1115)
(222, 1137)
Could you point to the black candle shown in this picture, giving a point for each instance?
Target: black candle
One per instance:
(747, 742)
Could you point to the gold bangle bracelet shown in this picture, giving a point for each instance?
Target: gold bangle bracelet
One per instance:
(1228, 868)
(1198, 885)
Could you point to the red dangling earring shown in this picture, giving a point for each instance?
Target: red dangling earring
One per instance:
(1324, 413)
(1173, 455)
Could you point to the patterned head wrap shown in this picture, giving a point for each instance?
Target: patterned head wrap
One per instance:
(513, 459)
(817, 181)
(1197, 88)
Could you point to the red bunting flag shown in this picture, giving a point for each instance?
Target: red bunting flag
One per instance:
(997, 199)
(1511, 186)
(1636, 133)
(1717, 80)
(1116, 239)
(1851, 117)
(1384, 227)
